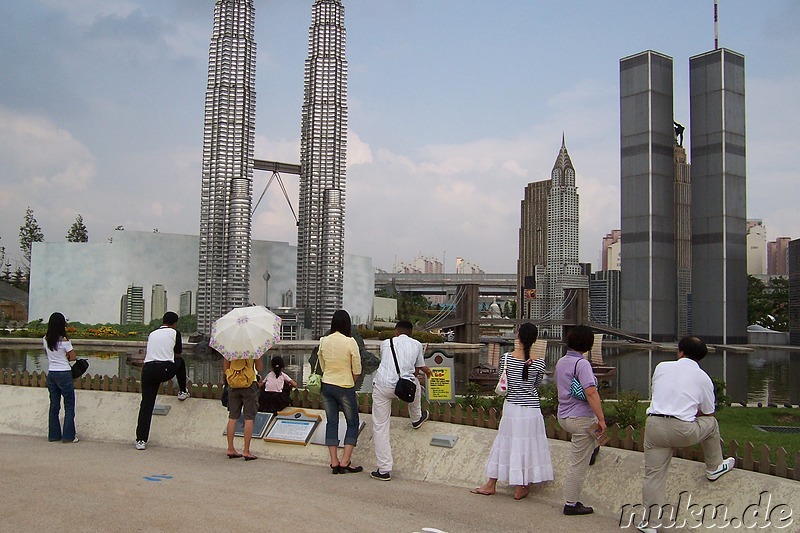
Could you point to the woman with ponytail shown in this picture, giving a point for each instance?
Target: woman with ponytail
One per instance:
(520, 454)
(59, 380)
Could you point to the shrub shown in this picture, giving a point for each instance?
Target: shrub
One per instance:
(473, 398)
(548, 399)
(626, 408)
(368, 333)
(426, 336)
(720, 398)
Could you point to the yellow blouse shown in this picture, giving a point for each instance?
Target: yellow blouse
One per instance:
(339, 359)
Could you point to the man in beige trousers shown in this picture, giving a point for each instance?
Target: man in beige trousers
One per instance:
(680, 414)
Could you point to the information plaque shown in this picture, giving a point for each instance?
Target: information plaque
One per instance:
(440, 383)
(293, 426)
(260, 425)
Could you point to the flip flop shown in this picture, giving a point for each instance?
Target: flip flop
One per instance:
(234, 455)
(524, 494)
(250, 457)
(480, 491)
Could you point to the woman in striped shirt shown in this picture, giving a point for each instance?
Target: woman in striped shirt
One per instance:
(520, 454)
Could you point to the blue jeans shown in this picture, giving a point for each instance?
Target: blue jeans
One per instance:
(335, 399)
(60, 384)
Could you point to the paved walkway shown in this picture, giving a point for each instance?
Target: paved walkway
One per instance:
(102, 486)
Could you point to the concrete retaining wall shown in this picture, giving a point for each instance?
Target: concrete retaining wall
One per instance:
(615, 480)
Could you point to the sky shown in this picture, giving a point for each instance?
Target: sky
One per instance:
(454, 107)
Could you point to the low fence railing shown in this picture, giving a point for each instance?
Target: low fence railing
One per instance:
(748, 456)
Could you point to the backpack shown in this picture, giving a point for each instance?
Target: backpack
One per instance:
(240, 374)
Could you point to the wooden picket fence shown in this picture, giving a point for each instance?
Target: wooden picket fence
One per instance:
(625, 438)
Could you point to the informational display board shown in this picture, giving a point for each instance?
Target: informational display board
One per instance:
(293, 426)
(260, 424)
(441, 383)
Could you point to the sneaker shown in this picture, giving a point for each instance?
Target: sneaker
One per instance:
(644, 528)
(577, 509)
(182, 395)
(382, 476)
(141, 445)
(419, 422)
(76, 439)
(726, 466)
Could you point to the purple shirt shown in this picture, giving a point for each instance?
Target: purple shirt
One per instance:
(569, 407)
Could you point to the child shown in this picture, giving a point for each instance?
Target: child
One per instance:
(275, 388)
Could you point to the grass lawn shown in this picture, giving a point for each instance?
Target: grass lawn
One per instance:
(737, 423)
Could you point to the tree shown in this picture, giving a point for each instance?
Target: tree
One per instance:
(768, 303)
(19, 279)
(29, 233)
(77, 232)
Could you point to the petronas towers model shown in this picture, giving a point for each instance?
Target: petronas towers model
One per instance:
(228, 138)
(323, 146)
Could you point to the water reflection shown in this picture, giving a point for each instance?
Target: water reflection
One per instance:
(767, 375)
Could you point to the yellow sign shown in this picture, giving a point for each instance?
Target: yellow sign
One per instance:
(440, 384)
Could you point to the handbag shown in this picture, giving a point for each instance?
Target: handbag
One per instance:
(406, 388)
(79, 368)
(224, 397)
(314, 383)
(575, 388)
(501, 389)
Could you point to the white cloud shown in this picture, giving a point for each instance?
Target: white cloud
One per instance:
(358, 152)
(35, 151)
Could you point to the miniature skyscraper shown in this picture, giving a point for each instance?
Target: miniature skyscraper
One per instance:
(648, 283)
(323, 147)
(228, 140)
(719, 215)
(562, 270)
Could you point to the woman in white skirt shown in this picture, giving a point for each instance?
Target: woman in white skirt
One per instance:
(520, 454)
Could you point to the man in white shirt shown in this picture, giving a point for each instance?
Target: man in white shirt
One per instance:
(410, 360)
(162, 362)
(680, 415)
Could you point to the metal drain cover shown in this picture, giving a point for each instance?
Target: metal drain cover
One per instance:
(778, 429)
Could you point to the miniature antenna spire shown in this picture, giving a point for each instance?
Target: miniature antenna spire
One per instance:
(716, 25)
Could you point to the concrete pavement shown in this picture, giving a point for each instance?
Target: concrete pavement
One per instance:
(291, 483)
(109, 486)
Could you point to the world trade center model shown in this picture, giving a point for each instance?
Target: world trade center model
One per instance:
(323, 144)
(228, 145)
(651, 267)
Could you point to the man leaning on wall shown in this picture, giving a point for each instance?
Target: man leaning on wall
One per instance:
(681, 414)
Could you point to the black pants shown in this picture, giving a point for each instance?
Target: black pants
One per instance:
(154, 374)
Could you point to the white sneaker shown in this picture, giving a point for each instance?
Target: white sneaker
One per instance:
(644, 528)
(182, 395)
(141, 445)
(726, 466)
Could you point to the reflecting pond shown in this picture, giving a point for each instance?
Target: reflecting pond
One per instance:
(761, 375)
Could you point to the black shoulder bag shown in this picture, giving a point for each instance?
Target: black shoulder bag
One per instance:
(406, 388)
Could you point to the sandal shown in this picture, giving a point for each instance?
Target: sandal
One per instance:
(334, 469)
(344, 469)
